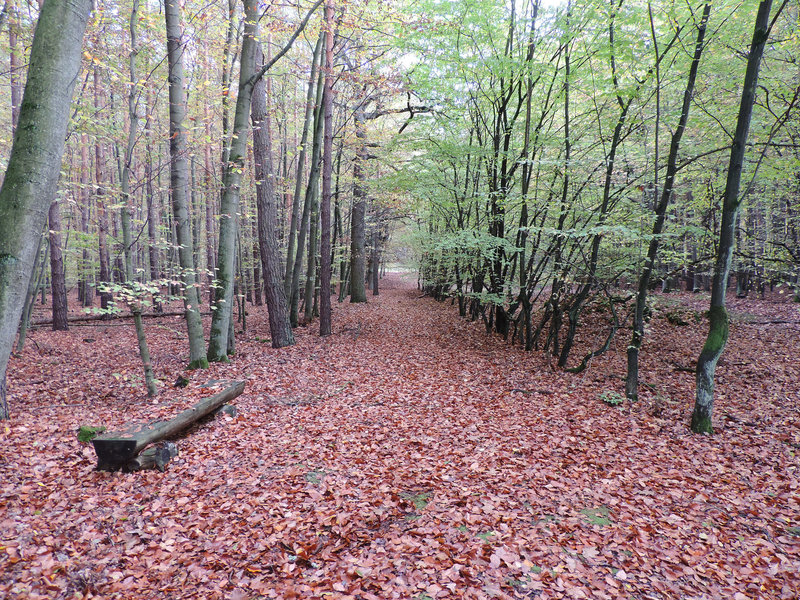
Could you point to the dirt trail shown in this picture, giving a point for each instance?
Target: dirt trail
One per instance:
(409, 455)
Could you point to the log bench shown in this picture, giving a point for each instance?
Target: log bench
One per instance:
(119, 449)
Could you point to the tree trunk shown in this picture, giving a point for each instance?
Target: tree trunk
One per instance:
(100, 191)
(718, 316)
(223, 301)
(327, 169)
(144, 352)
(305, 219)
(313, 230)
(301, 159)
(279, 326)
(87, 269)
(211, 200)
(15, 67)
(30, 298)
(632, 380)
(153, 212)
(35, 161)
(376, 258)
(221, 318)
(358, 292)
(179, 174)
(58, 283)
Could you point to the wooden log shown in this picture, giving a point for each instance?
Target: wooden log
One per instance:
(108, 318)
(227, 409)
(115, 450)
(154, 457)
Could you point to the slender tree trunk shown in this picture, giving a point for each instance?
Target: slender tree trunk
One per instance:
(221, 317)
(301, 159)
(632, 381)
(311, 262)
(87, 269)
(144, 352)
(211, 201)
(223, 301)
(375, 259)
(228, 58)
(30, 298)
(279, 326)
(58, 283)
(100, 192)
(327, 171)
(35, 161)
(153, 212)
(305, 220)
(718, 316)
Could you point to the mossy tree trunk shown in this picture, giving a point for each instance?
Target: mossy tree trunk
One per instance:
(35, 161)
(718, 316)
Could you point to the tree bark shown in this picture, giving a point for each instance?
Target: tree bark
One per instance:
(279, 326)
(57, 281)
(14, 67)
(87, 270)
(179, 174)
(223, 299)
(301, 159)
(305, 219)
(718, 316)
(313, 231)
(104, 277)
(375, 258)
(35, 161)
(327, 171)
(358, 292)
(632, 380)
(144, 351)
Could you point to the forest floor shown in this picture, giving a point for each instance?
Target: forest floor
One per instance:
(410, 455)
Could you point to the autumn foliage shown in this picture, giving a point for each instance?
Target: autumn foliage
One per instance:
(409, 455)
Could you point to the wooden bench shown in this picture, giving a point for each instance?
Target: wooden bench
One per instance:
(119, 450)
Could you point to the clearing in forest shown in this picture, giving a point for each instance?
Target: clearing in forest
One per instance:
(409, 455)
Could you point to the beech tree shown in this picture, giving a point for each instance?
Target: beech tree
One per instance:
(266, 205)
(327, 171)
(32, 175)
(718, 328)
(179, 181)
(632, 380)
(248, 75)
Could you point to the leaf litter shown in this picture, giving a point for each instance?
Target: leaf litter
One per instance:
(421, 458)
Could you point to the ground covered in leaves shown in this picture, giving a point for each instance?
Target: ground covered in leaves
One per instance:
(412, 456)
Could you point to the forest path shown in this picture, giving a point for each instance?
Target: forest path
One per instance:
(409, 455)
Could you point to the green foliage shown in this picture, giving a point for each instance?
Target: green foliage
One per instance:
(612, 398)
